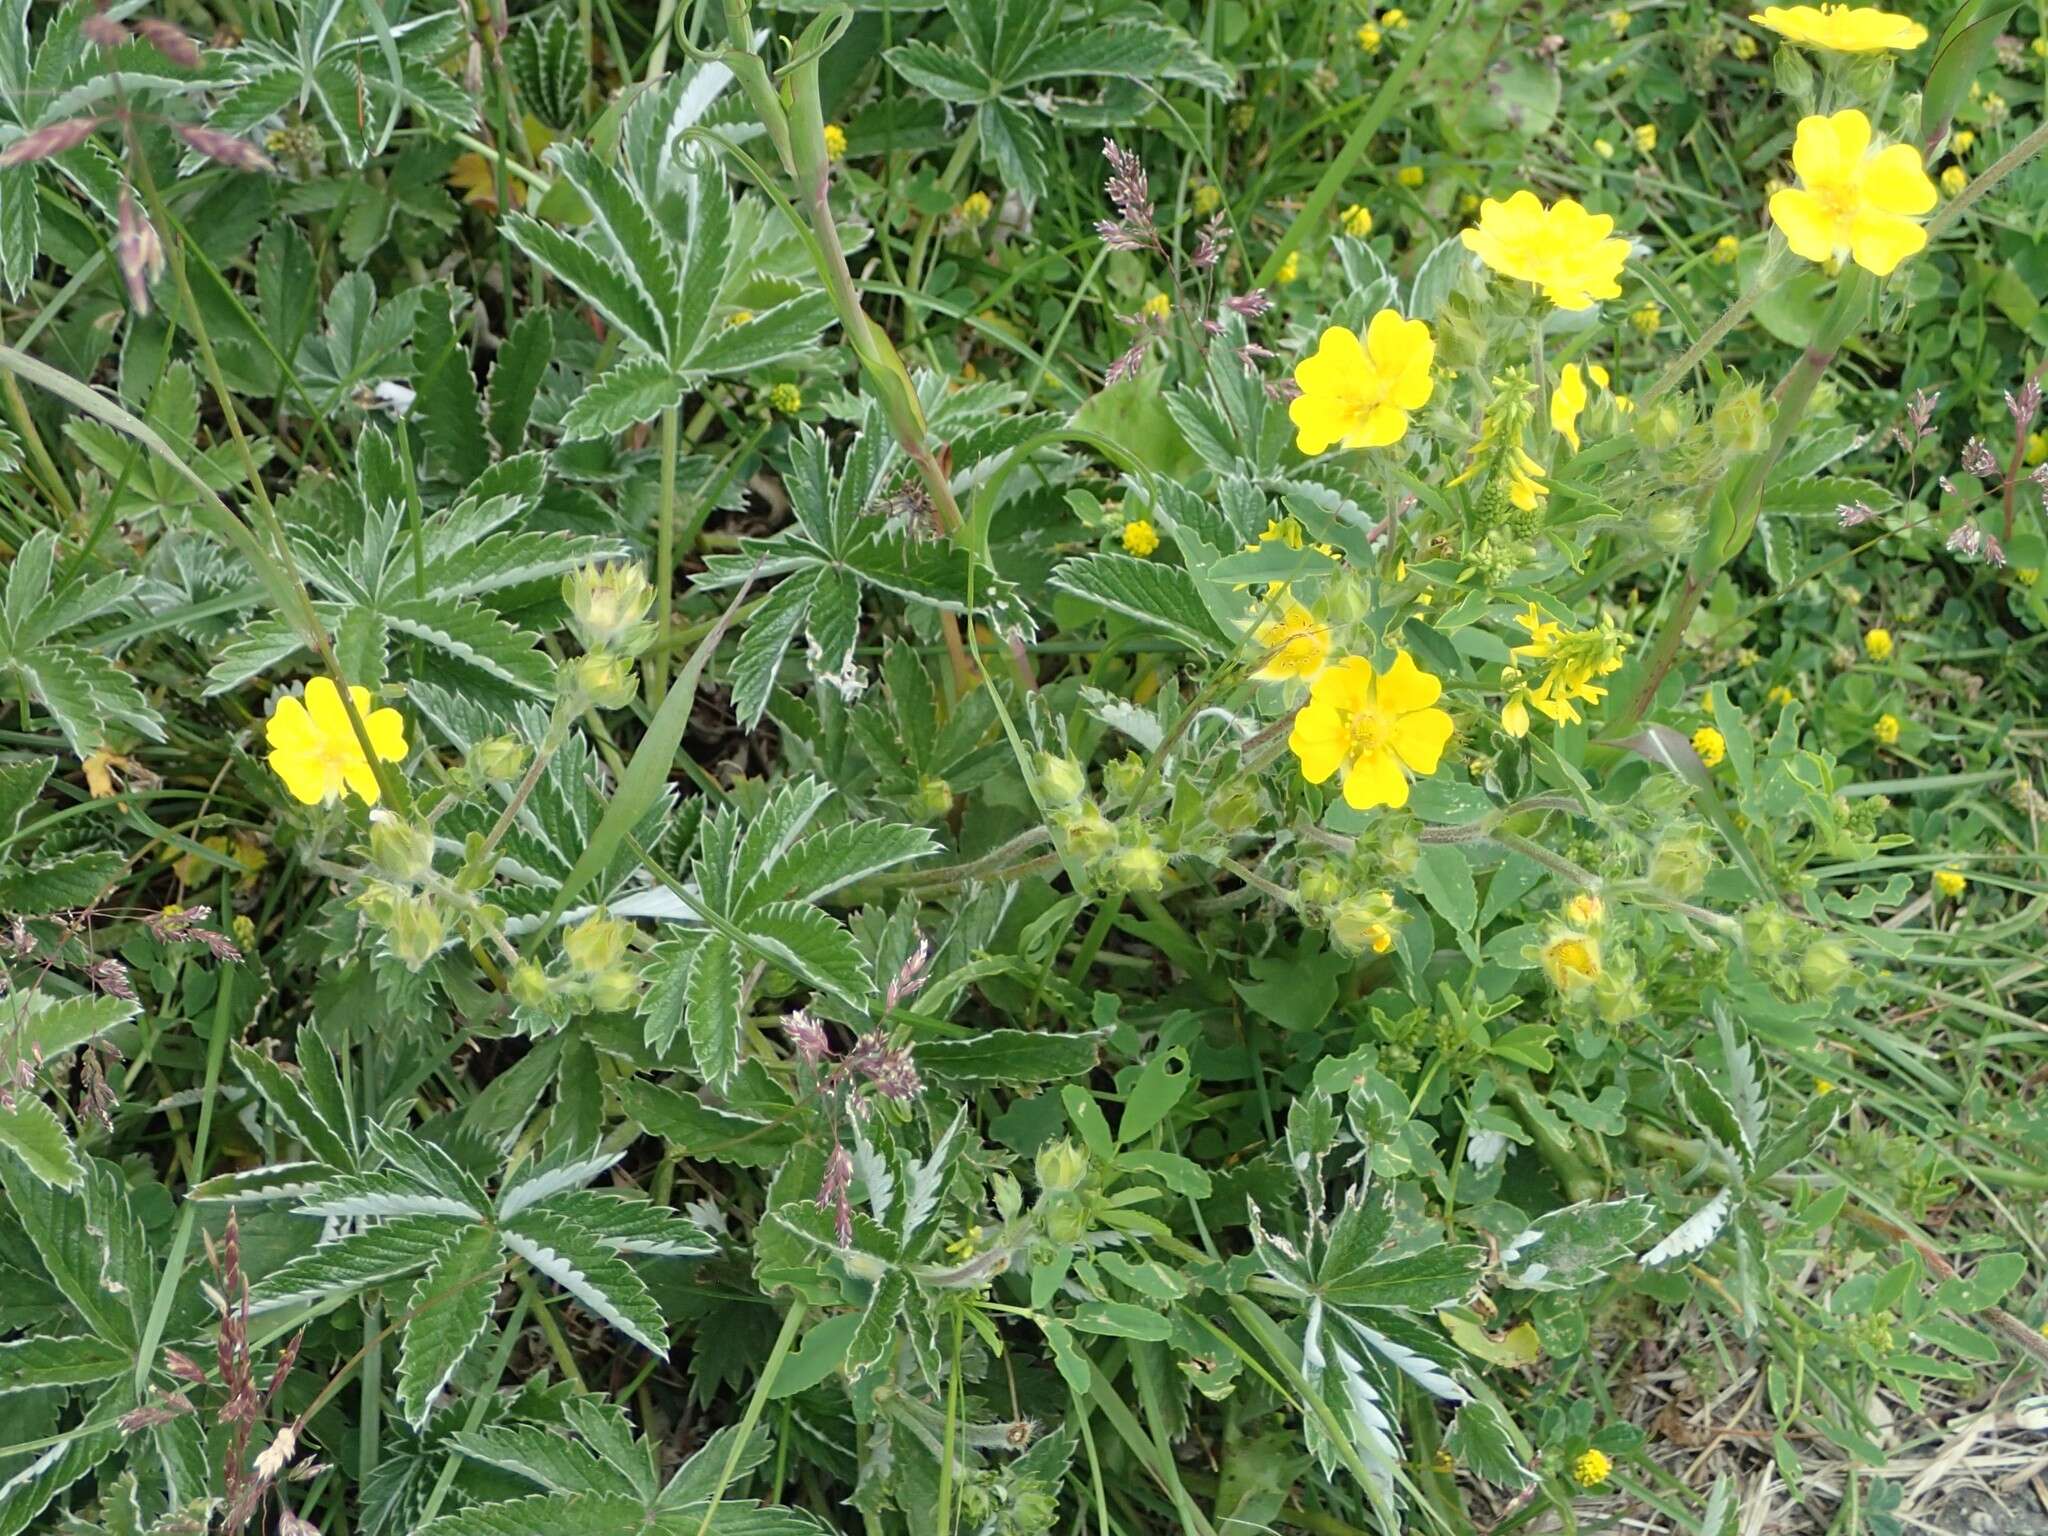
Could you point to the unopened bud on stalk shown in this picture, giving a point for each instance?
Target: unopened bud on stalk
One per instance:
(417, 931)
(608, 608)
(1825, 966)
(1061, 1166)
(528, 985)
(596, 944)
(605, 678)
(613, 991)
(1061, 781)
(1742, 420)
(1141, 868)
(1088, 832)
(402, 849)
(498, 759)
(1680, 862)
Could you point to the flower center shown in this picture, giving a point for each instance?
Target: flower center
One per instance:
(1842, 199)
(1371, 728)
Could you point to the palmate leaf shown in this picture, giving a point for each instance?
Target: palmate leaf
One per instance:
(449, 1310)
(1161, 597)
(544, 1456)
(40, 1027)
(622, 228)
(86, 695)
(1574, 1246)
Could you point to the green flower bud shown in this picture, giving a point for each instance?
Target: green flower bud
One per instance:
(1363, 924)
(1061, 781)
(606, 678)
(1660, 426)
(1320, 884)
(1400, 849)
(1680, 862)
(1061, 1166)
(1123, 775)
(498, 759)
(933, 800)
(1794, 78)
(608, 607)
(1066, 1220)
(1088, 832)
(1234, 809)
(1674, 527)
(416, 931)
(596, 944)
(379, 902)
(1825, 966)
(528, 985)
(1769, 931)
(614, 991)
(402, 849)
(1140, 868)
(1742, 420)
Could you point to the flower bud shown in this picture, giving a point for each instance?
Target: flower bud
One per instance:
(1769, 931)
(1141, 868)
(1061, 781)
(933, 799)
(1794, 78)
(1235, 809)
(1123, 775)
(1320, 884)
(379, 902)
(1061, 1166)
(498, 759)
(1088, 832)
(608, 606)
(1825, 966)
(1674, 527)
(402, 849)
(1571, 960)
(1400, 849)
(605, 678)
(1742, 420)
(614, 991)
(1660, 426)
(1680, 862)
(1361, 925)
(416, 931)
(596, 944)
(528, 985)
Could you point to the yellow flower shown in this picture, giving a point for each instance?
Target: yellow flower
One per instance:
(1363, 923)
(1208, 198)
(1618, 21)
(1853, 199)
(835, 140)
(1953, 179)
(1571, 659)
(1603, 149)
(1781, 695)
(1950, 882)
(1994, 106)
(1570, 398)
(1379, 729)
(1842, 28)
(1358, 394)
(1571, 960)
(1877, 644)
(1821, 1085)
(1140, 537)
(2039, 47)
(786, 398)
(1158, 306)
(476, 179)
(1962, 141)
(1585, 910)
(314, 750)
(1410, 176)
(1564, 250)
(1646, 318)
(1468, 203)
(1297, 643)
(1358, 221)
(1743, 46)
(1645, 135)
(1591, 1468)
(1369, 38)
(1290, 268)
(1711, 745)
(1886, 730)
(974, 208)
(1726, 250)
(1396, 19)
(2037, 447)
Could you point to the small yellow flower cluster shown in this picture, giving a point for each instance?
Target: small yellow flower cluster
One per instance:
(785, 399)
(1296, 643)
(1886, 731)
(1157, 307)
(1410, 176)
(1290, 268)
(1951, 882)
(1370, 37)
(835, 141)
(1571, 397)
(1139, 537)
(1953, 179)
(1645, 135)
(1726, 251)
(1711, 746)
(1877, 644)
(1591, 1468)
(1357, 221)
(974, 209)
(1570, 660)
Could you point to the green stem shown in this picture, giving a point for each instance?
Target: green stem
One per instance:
(1580, 1182)
(665, 560)
(792, 1321)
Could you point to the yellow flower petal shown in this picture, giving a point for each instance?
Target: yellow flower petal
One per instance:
(1808, 226)
(1404, 687)
(1419, 739)
(1895, 181)
(1375, 778)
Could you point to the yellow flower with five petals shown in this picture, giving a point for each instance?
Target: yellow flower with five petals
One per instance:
(315, 751)
(1357, 394)
(1842, 28)
(1378, 729)
(1852, 199)
(1572, 255)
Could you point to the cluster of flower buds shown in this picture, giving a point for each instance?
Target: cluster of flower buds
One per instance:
(609, 608)
(399, 898)
(596, 975)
